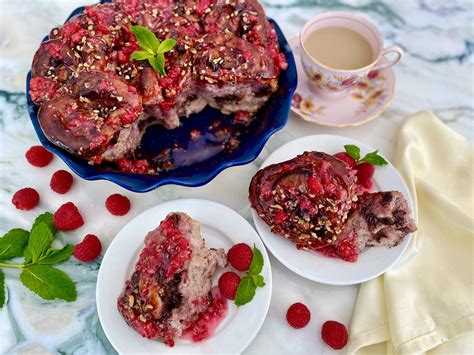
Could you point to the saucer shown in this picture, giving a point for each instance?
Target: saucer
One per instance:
(365, 101)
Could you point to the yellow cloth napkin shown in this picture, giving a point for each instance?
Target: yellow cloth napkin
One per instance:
(424, 304)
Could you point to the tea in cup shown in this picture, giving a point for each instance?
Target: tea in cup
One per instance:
(338, 49)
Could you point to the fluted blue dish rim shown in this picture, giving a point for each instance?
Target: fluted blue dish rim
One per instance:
(246, 152)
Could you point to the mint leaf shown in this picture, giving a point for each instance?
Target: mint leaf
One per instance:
(353, 151)
(47, 218)
(27, 255)
(141, 55)
(55, 256)
(2, 289)
(158, 64)
(13, 243)
(245, 292)
(256, 265)
(49, 283)
(375, 159)
(40, 241)
(145, 38)
(258, 280)
(166, 45)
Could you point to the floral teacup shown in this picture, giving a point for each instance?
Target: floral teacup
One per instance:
(330, 81)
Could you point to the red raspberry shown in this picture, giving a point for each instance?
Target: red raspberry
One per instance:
(61, 181)
(240, 256)
(365, 171)
(298, 315)
(67, 217)
(314, 185)
(26, 199)
(117, 204)
(334, 334)
(280, 217)
(89, 249)
(228, 284)
(346, 158)
(38, 156)
(346, 250)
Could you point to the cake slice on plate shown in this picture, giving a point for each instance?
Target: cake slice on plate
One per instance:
(172, 280)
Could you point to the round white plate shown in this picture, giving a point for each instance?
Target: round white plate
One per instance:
(372, 262)
(221, 227)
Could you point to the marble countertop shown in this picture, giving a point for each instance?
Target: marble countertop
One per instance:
(435, 74)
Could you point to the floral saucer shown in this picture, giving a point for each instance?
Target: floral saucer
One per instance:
(365, 101)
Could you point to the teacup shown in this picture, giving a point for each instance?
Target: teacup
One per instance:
(331, 81)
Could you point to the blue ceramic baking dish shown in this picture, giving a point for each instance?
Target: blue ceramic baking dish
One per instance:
(271, 118)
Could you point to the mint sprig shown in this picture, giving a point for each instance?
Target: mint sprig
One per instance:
(373, 158)
(249, 283)
(37, 274)
(152, 49)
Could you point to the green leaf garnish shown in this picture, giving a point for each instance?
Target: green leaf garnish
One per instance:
(49, 283)
(141, 55)
(40, 241)
(36, 272)
(145, 38)
(55, 256)
(13, 243)
(256, 265)
(245, 292)
(2, 288)
(374, 158)
(249, 283)
(166, 45)
(47, 218)
(152, 49)
(353, 151)
(258, 280)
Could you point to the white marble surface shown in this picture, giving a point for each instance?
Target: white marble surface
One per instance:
(435, 74)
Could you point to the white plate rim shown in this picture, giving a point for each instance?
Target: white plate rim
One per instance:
(265, 234)
(180, 205)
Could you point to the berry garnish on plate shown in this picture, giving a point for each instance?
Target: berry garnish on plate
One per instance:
(26, 199)
(240, 256)
(252, 279)
(89, 249)
(334, 334)
(228, 284)
(298, 315)
(61, 181)
(67, 217)
(364, 166)
(117, 204)
(38, 156)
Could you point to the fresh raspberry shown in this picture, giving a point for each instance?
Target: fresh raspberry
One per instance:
(347, 250)
(240, 256)
(314, 185)
(67, 217)
(280, 217)
(298, 315)
(346, 158)
(89, 249)
(38, 156)
(117, 204)
(334, 334)
(228, 284)
(26, 199)
(365, 171)
(61, 181)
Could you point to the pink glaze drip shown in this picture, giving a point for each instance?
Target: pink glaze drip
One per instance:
(207, 322)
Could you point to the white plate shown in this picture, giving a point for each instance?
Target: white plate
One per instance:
(372, 262)
(221, 227)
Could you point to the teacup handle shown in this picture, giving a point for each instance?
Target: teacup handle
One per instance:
(390, 49)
